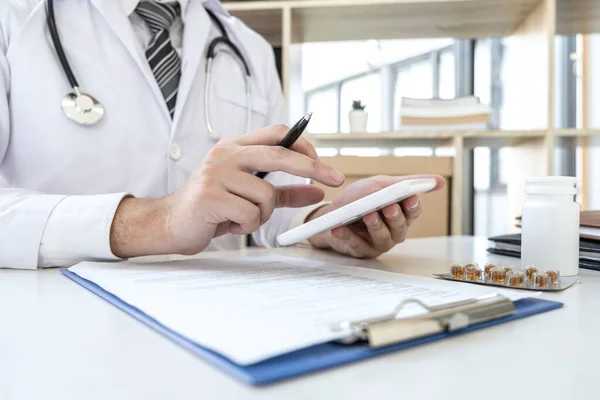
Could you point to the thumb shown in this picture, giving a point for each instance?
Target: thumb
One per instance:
(295, 196)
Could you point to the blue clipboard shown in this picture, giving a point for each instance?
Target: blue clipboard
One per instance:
(310, 359)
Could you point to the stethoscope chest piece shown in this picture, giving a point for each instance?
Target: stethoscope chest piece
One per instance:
(82, 108)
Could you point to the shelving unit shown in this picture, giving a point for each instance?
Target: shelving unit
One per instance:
(580, 133)
(331, 20)
(530, 25)
(490, 138)
(577, 16)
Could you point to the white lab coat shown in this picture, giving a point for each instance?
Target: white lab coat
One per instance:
(44, 156)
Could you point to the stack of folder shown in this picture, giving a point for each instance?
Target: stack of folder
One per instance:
(589, 242)
(462, 113)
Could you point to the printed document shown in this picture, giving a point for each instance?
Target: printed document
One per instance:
(254, 308)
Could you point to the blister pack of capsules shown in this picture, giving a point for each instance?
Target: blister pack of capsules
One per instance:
(529, 278)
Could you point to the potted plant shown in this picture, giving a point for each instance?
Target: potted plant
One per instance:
(358, 117)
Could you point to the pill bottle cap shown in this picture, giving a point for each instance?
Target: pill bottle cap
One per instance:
(551, 185)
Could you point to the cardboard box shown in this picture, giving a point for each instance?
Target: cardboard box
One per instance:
(435, 219)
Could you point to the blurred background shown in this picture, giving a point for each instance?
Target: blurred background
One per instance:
(507, 90)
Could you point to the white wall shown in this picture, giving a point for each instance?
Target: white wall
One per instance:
(296, 94)
(593, 158)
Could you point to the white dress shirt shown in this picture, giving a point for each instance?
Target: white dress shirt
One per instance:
(71, 210)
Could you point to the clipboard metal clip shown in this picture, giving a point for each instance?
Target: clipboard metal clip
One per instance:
(388, 329)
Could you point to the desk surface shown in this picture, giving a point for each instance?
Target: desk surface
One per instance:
(59, 341)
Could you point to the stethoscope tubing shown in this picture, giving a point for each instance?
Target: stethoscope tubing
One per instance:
(71, 99)
(51, 21)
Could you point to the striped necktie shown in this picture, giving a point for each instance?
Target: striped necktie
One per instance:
(162, 57)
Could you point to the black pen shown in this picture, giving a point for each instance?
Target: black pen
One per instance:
(290, 138)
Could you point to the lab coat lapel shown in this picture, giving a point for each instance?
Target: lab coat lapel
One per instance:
(113, 13)
(197, 25)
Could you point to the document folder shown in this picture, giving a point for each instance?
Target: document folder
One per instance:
(367, 339)
(510, 245)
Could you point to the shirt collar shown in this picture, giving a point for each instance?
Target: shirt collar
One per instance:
(130, 5)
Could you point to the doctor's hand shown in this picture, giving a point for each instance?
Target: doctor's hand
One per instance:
(221, 196)
(375, 233)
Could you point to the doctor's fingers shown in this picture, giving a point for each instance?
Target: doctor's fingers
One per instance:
(277, 158)
(272, 136)
(412, 209)
(398, 221)
(295, 196)
(379, 233)
(347, 242)
(268, 197)
(244, 216)
(253, 189)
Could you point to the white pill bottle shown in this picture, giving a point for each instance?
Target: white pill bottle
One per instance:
(550, 225)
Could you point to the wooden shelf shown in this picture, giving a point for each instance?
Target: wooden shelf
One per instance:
(267, 22)
(333, 20)
(380, 136)
(431, 134)
(577, 16)
(327, 20)
(492, 138)
(577, 132)
(385, 139)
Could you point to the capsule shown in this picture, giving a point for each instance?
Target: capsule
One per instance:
(457, 271)
(498, 275)
(488, 268)
(507, 268)
(472, 273)
(515, 279)
(529, 271)
(554, 276)
(541, 280)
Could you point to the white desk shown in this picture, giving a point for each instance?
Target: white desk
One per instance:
(60, 341)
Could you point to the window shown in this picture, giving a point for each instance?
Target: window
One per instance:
(362, 152)
(489, 172)
(326, 119)
(413, 151)
(413, 80)
(446, 76)
(376, 72)
(481, 174)
(483, 70)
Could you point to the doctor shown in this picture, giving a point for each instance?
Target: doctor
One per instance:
(143, 157)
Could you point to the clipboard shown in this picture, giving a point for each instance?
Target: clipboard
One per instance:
(366, 338)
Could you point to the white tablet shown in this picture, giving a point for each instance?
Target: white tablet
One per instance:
(354, 211)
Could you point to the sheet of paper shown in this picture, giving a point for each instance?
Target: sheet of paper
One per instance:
(252, 309)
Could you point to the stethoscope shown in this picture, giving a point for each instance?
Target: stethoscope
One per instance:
(87, 110)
